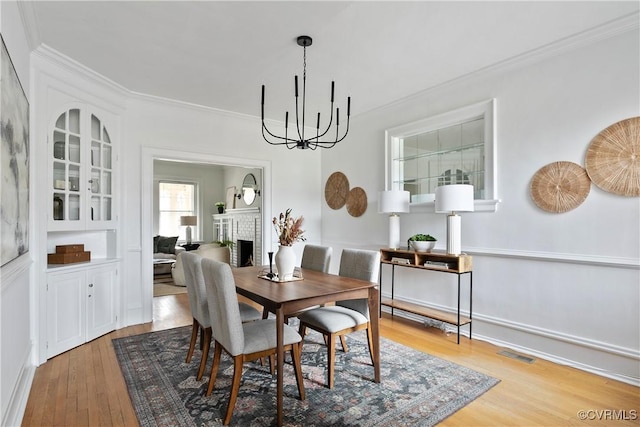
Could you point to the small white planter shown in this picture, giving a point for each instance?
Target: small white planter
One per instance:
(422, 246)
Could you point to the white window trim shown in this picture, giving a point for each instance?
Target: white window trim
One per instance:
(196, 211)
(485, 108)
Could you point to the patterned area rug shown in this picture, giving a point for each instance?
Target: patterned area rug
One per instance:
(416, 389)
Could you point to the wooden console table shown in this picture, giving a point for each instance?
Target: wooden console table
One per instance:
(432, 261)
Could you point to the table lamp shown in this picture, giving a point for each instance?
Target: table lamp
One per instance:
(393, 202)
(451, 199)
(188, 221)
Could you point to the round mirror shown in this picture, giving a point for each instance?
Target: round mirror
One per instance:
(249, 187)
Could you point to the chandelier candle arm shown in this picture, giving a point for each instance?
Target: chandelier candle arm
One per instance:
(302, 142)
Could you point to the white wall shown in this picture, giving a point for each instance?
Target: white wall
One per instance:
(16, 328)
(560, 286)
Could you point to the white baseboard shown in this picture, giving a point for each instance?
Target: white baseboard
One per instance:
(18, 401)
(553, 338)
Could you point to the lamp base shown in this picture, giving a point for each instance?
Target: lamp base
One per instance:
(394, 231)
(454, 235)
(188, 231)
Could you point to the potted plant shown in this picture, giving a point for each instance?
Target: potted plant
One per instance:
(220, 206)
(422, 242)
(225, 243)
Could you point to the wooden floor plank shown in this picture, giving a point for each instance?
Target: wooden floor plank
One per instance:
(62, 392)
(537, 394)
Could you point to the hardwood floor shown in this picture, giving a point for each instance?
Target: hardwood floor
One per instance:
(85, 387)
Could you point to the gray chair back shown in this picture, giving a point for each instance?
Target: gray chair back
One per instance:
(196, 291)
(226, 323)
(316, 258)
(359, 264)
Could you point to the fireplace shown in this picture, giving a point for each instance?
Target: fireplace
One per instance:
(237, 225)
(245, 253)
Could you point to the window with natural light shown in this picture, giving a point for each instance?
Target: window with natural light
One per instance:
(176, 199)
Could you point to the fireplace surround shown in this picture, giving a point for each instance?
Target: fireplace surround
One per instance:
(244, 228)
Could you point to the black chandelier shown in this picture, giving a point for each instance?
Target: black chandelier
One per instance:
(302, 142)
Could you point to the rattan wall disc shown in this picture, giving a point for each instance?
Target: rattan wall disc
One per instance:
(560, 187)
(356, 202)
(336, 190)
(613, 158)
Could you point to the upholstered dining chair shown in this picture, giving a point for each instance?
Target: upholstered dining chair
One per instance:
(315, 257)
(197, 295)
(244, 342)
(346, 316)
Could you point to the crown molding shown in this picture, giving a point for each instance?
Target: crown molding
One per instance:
(49, 55)
(30, 23)
(587, 37)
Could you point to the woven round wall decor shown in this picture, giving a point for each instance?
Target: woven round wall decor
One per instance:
(560, 187)
(336, 190)
(613, 158)
(356, 202)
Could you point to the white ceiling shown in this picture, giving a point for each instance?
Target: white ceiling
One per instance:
(219, 53)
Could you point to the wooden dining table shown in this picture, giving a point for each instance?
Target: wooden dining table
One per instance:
(284, 298)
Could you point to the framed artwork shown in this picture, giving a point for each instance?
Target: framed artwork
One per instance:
(230, 201)
(14, 167)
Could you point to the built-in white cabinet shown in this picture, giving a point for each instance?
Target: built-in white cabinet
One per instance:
(81, 172)
(81, 305)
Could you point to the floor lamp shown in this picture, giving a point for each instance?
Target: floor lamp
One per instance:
(188, 221)
(451, 199)
(393, 202)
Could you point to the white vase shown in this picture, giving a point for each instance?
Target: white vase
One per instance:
(285, 262)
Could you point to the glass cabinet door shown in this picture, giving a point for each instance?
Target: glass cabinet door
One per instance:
(67, 167)
(101, 172)
(82, 172)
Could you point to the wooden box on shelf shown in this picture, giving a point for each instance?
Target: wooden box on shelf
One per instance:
(66, 249)
(69, 254)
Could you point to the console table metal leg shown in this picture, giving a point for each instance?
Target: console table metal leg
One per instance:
(470, 302)
(458, 309)
(380, 291)
(393, 285)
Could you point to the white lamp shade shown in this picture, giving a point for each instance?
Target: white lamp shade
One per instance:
(188, 220)
(454, 198)
(393, 201)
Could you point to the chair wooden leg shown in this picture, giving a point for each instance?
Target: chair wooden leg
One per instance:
(331, 357)
(217, 352)
(302, 330)
(235, 386)
(194, 335)
(343, 341)
(201, 338)
(205, 353)
(297, 366)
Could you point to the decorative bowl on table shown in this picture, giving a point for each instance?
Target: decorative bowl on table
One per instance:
(422, 246)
